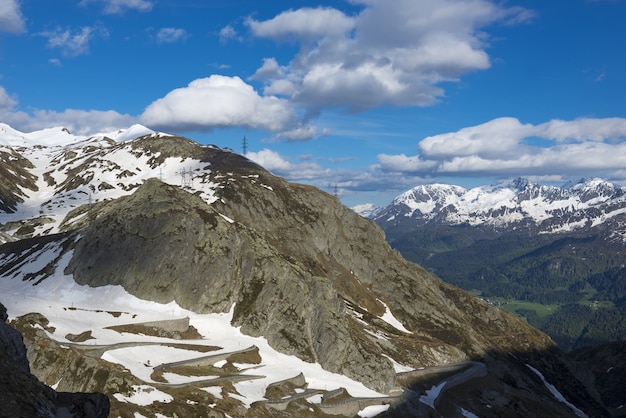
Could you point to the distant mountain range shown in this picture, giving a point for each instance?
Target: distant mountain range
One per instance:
(561, 246)
(516, 204)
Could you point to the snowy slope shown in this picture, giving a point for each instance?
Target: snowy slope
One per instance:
(72, 309)
(71, 171)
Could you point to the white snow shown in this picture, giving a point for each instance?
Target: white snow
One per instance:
(144, 395)
(432, 394)
(72, 308)
(556, 393)
(397, 367)
(392, 320)
(372, 411)
(511, 202)
(227, 219)
(468, 414)
(102, 170)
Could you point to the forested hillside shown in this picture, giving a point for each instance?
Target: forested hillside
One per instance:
(553, 256)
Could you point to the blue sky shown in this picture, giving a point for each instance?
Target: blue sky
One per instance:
(371, 96)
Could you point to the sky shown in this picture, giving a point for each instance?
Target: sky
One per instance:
(361, 98)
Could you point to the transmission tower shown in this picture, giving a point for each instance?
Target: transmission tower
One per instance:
(245, 146)
(186, 178)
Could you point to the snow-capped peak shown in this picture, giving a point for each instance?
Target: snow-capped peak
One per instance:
(46, 137)
(550, 208)
(60, 136)
(135, 131)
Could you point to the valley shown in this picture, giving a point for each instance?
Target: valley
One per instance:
(551, 255)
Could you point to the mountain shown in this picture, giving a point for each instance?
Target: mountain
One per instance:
(367, 210)
(553, 255)
(513, 205)
(182, 279)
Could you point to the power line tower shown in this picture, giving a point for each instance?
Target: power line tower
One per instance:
(186, 178)
(245, 146)
(336, 192)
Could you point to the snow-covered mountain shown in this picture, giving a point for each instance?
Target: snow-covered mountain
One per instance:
(367, 210)
(514, 204)
(44, 175)
(185, 280)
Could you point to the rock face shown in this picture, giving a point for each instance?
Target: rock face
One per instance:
(292, 274)
(22, 395)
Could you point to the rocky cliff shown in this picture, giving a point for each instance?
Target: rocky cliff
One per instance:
(23, 395)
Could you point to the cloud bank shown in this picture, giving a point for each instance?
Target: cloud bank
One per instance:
(506, 147)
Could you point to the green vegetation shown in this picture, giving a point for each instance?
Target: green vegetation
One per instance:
(572, 287)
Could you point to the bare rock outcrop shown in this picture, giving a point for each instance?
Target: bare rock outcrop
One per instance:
(23, 395)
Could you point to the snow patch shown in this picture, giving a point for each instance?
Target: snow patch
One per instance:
(392, 320)
(556, 393)
(144, 395)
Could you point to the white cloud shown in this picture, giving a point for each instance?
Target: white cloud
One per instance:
(219, 102)
(403, 163)
(228, 33)
(11, 19)
(80, 122)
(584, 129)
(300, 133)
(506, 147)
(306, 24)
(270, 160)
(393, 52)
(275, 163)
(74, 43)
(269, 70)
(6, 101)
(120, 6)
(496, 138)
(171, 35)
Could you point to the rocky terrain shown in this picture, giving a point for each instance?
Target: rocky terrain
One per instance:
(23, 395)
(108, 236)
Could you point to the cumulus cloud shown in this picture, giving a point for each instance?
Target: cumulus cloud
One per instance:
(171, 35)
(393, 52)
(113, 7)
(274, 162)
(220, 102)
(306, 24)
(506, 147)
(11, 19)
(74, 43)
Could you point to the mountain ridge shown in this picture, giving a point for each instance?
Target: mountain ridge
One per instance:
(516, 203)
